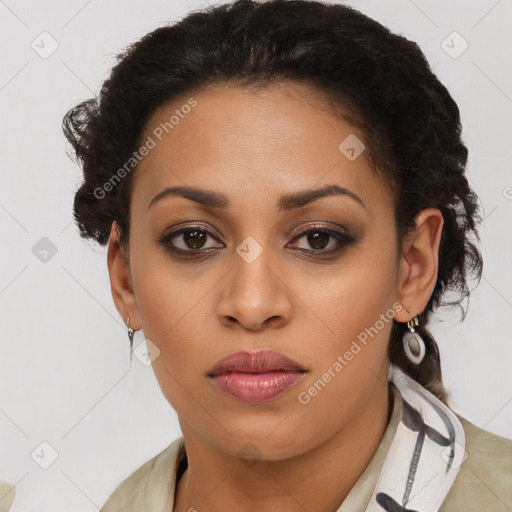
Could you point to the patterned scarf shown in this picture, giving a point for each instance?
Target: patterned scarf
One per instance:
(425, 455)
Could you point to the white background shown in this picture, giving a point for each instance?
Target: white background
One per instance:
(64, 358)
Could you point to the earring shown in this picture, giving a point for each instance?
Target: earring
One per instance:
(414, 346)
(130, 336)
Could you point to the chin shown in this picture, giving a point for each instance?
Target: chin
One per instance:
(256, 444)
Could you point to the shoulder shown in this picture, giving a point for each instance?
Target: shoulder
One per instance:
(151, 486)
(7, 495)
(484, 481)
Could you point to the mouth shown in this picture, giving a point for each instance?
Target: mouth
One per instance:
(255, 377)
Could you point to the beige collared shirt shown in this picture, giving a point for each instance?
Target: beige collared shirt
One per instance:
(483, 484)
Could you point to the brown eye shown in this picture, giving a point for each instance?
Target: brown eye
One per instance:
(322, 241)
(194, 239)
(190, 240)
(318, 239)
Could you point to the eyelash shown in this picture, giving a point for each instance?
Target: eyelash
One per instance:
(343, 239)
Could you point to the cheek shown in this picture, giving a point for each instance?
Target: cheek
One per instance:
(172, 304)
(168, 294)
(353, 319)
(351, 297)
(171, 320)
(350, 356)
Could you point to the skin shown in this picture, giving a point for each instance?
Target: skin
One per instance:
(253, 147)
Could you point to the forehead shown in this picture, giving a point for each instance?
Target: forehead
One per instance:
(251, 143)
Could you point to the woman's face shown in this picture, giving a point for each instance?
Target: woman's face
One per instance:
(261, 266)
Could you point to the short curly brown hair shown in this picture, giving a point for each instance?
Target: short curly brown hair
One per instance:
(380, 81)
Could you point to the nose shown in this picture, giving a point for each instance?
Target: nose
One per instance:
(255, 295)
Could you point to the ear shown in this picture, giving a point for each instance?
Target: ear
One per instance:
(120, 280)
(418, 265)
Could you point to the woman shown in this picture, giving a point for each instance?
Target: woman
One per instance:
(282, 189)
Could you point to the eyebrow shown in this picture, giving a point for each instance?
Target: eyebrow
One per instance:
(289, 201)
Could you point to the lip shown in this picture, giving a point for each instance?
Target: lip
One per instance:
(255, 377)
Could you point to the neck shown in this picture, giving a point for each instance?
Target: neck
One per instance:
(319, 479)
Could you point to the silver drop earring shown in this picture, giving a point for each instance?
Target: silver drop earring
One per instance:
(130, 336)
(414, 346)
